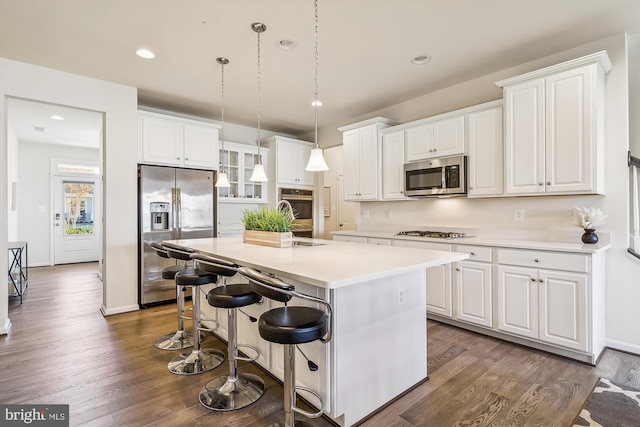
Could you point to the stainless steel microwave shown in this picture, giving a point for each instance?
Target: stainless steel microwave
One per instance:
(441, 176)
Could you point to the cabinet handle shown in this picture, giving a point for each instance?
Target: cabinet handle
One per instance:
(470, 188)
(186, 158)
(533, 280)
(472, 253)
(539, 183)
(177, 158)
(548, 183)
(536, 260)
(540, 280)
(457, 269)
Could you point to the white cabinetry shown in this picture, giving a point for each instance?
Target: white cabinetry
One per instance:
(485, 162)
(174, 141)
(238, 161)
(289, 157)
(393, 165)
(439, 285)
(554, 128)
(544, 304)
(438, 138)
(473, 286)
(362, 156)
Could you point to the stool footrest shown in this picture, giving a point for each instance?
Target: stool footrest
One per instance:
(306, 413)
(207, 329)
(248, 359)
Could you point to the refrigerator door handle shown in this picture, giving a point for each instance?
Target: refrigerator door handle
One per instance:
(173, 210)
(178, 206)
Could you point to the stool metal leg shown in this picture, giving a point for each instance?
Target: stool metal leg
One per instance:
(233, 391)
(180, 339)
(198, 360)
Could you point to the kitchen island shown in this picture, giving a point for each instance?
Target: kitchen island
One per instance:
(378, 295)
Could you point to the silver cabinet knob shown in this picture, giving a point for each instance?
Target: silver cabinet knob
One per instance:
(533, 280)
(548, 183)
(539, 183)
(472, 253)
(540, 280)
(536, 260)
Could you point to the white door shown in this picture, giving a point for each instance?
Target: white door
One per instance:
(346, 210)
(518, 301)
(77, 217)
(473, 292)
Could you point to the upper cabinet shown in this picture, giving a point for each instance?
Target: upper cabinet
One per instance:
(393, 165)
(436, 138)
(485, 172)
(174, 141)
(290, 157)
(554, 128)
(238, 160)
(362, 143)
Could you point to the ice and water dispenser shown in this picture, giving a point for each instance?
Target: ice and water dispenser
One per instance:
(159, 215)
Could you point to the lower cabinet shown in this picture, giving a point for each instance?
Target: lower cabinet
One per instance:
(550, 306)
(473, 286)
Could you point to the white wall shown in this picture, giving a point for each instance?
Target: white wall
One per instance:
(34, 180)
(541, 213)
(118, 155)
(12, 177)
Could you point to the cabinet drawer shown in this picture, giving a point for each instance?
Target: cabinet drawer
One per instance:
(548, 260)
(476, 253)
(376, 241)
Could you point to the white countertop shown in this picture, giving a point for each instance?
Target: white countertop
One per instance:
(523, 241)
(332, 265)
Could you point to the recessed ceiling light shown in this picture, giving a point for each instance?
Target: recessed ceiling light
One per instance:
(56, 117)
(286, 44)
(145, 53)
(420, 59)
(317, 103)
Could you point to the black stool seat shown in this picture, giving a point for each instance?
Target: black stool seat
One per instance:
(232, 296)
(169, 273)
(195, 277)
(293, 325)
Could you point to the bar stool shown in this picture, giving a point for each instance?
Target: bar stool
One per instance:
(179, 339)
(199, 360)
(232, 391)
(290, 326)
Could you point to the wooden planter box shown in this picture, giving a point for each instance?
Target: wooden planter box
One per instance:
(268, 238)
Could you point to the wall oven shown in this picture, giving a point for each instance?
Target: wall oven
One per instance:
(436, 177)
(302, 203)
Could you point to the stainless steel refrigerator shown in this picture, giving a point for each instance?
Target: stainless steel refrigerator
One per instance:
(173, 203)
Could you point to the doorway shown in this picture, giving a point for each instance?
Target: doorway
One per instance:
(76, 209)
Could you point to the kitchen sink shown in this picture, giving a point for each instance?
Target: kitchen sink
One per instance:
(305, 243)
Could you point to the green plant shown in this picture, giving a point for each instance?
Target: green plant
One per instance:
(79, 230)
(267, 219)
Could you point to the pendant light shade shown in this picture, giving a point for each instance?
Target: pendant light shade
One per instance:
(258, 174)
(316, 159)
(223, 180)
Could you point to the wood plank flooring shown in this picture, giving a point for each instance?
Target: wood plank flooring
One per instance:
(61, 350)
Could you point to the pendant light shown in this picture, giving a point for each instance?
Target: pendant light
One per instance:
(223, 180)
(258, 174)
(316, 159)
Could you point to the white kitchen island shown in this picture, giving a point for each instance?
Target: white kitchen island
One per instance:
(378, 295)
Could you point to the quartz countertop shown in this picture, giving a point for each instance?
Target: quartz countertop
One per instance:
(330, 264)
(547, 241)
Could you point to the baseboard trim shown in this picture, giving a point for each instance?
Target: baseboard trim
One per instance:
(5, 329)
(623, 346)
(124, 309)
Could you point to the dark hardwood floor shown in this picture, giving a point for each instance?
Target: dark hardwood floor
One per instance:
(61, 350)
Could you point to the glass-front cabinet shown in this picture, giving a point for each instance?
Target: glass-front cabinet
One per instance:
(238, 161)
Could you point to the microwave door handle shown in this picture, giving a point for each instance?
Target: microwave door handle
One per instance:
(444, 177)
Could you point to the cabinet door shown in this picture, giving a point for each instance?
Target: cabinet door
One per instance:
(161, 141)
(200, 146)
(485, 161)
(230, 161)
(351, 156)
(518, 301)
(291, 161)
(393, 166)
(570, 138)
(563, 309)
(439, 299)
(369, 165)
(524, 138)
(448, 137)
(473, 292)
(418, 143)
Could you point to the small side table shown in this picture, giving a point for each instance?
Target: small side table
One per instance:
(18, 268)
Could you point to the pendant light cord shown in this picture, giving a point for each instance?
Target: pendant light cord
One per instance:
(259, 103)
(315, 4)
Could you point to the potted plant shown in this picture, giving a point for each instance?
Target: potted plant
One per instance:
(268, 226)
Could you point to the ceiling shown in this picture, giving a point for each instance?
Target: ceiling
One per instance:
(365, 48)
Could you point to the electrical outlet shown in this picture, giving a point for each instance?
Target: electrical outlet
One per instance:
(365, 214)
(401, 296)
(518, 214)
(388, 213)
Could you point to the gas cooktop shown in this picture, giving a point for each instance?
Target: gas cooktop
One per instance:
(434, 234)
